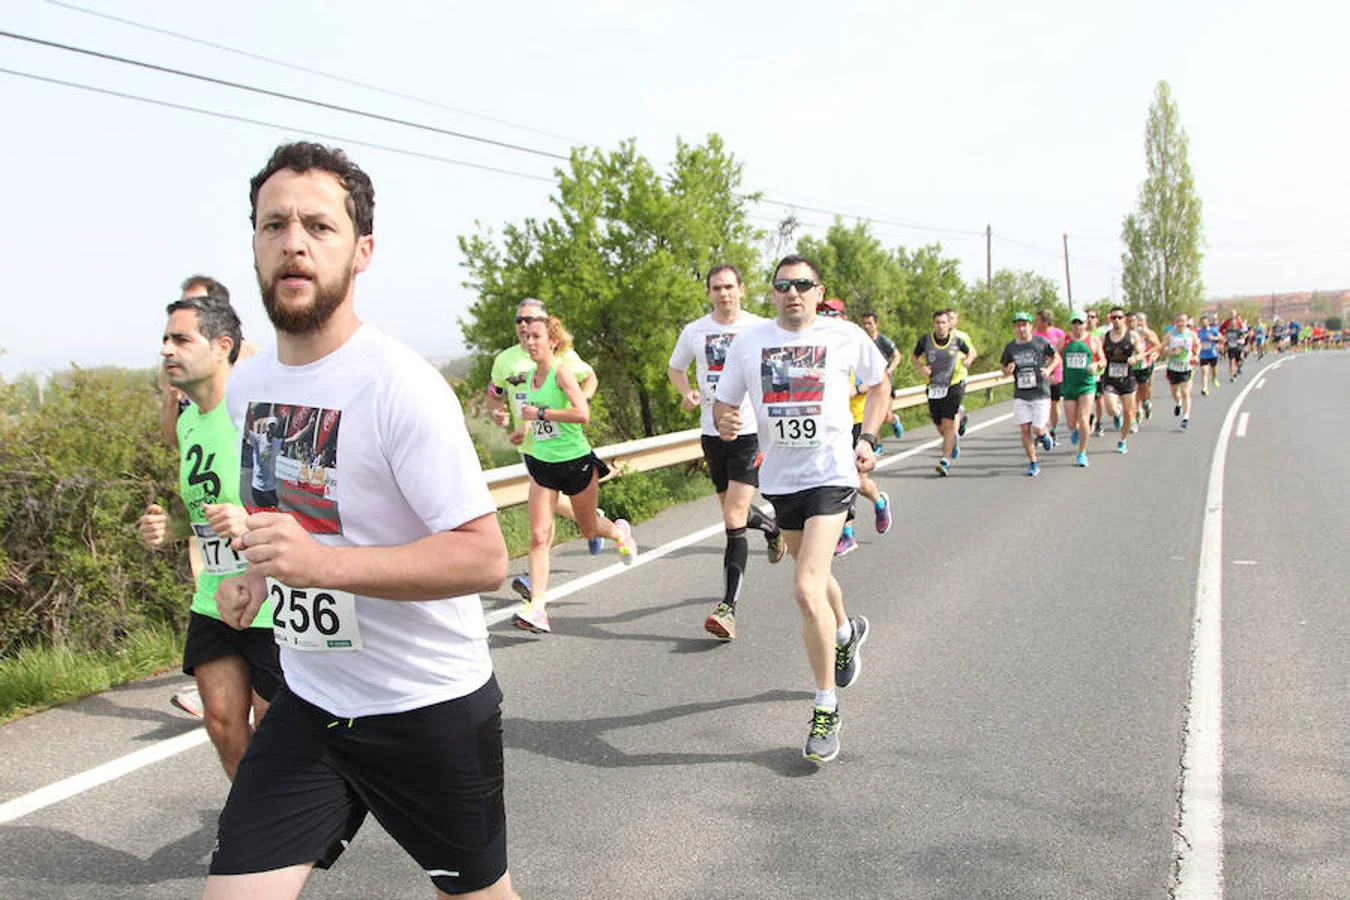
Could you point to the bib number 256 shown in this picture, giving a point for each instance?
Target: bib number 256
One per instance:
(313, 618)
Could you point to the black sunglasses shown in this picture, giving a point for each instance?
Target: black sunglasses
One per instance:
(528, 319)
(783, 285)
(1115, 318)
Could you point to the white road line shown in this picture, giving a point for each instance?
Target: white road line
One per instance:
(1244, 562)
(1260, 384)
(1242, 424)
(110, 771)
(92, 778)
(1197, 842)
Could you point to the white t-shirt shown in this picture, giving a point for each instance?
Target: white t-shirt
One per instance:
(706, 343)
(799, 384)
(388, 461)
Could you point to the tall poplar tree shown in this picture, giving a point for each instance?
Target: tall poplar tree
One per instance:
(1162, 236)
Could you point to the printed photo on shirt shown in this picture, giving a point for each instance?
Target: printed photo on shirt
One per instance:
(792, 374)
(289, 463)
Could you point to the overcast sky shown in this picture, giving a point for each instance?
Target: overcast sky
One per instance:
(947, 116)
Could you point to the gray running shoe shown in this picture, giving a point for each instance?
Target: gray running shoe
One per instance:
(777, 548)
(822, 744)
(848, 658)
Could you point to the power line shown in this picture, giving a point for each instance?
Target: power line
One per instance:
(244, 119)
(266, 92)
(308, 71)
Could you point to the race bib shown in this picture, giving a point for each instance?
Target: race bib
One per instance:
(710, 394)
(1178, 365)
(1026, 378)
(518, 398)
(218, 554)
(1117, 370)
(543, 431)
(313, 618)
(937, 391)
(803, 430)
(1076, 360)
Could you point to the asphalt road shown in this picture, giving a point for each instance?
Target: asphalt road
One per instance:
(1016, 731)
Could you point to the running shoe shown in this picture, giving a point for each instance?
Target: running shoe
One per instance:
(1097, 430)
(941, 467)
(1116, 420)
(1176, 410)
(722, 623)
(880, 451)
(848, 658)
(521, 585)
(1186, 422)
(847, 544)
(1148, 409)
(822, 743)
(898, 428)
(883, 513)
(1073, 437)
(1033, 470)
(1047, 442)
(627, 547)
(531, 618)
(1121, 448)
(189, 700)
(777, 548)
(956, 449)
(1082, 460)
(1134, 427)
(1204, 392)
(961, 428)
(596, 544)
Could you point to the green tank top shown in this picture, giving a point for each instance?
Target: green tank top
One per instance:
(208, 472)
(553, 441)
(1078, 377)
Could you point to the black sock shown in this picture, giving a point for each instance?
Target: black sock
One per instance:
(737, 552)
(760, 522)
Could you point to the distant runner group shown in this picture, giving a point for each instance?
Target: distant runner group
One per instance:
(341, 534)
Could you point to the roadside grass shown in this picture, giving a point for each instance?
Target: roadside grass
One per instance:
(36, 678)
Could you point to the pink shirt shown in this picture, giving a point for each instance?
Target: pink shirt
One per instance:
(1056, 338)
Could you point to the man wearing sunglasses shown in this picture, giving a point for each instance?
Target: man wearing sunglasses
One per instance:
(733, 467)
(797, 373)
(1122, 349)
(511, 371)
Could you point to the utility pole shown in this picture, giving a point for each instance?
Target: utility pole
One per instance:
(989, 259)
(1068, 285)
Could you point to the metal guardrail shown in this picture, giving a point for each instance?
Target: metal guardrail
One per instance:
(510, 485)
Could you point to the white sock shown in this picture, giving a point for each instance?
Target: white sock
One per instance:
(827, 700)
(844, 633)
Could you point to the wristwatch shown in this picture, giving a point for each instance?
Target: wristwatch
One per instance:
(871, 439)
(541, 412)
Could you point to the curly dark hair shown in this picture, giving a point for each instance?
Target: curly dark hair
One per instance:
(302, 156)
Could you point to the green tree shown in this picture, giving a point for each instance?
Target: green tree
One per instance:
(1162, 236)
(622, 262)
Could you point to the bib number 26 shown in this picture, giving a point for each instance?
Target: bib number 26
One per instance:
(313, 618)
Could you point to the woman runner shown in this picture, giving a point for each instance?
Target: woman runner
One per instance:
(1083, 359)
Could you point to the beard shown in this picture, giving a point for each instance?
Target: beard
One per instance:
(307, 319)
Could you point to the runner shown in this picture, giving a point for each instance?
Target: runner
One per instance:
(1181, 350)
(1082, 361)
(1097, 330)
(944, 358)
(510, 369)
(1046, 328)
(953, 317)
(1122, 348)
(796, 371)
(1279, 334)
(390, 705)
(236, 672)
(1143, 368)
(890, 353)
(1030, 359)
(733, 467)
(1210, 339)
(1234, 331)
(1259, 336)
(560, 461)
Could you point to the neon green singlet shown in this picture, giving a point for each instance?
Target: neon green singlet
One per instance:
(553, 441)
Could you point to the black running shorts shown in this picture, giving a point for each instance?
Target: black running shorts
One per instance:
(1235, 353)
(1144, 375)
(730, 461)
(570, 477)
(433, 777)
(209, 639)
(1056, 391)
(1119, 385)
(1178, 377)
(947, 407)
(1212, 363)
(792, 510)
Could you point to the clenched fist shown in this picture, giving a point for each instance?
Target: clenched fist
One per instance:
(154, 525)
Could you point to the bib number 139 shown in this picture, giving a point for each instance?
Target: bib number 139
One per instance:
(803, 431)
(313, 618)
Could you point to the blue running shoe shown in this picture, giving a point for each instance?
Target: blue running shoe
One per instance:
(1047, 442)
(596, 544)
(1073, 437)
(1082, 459)
(1034, 469)
(956, 449)
(1122, 449)
(897, 427)
(1186, 422)
(521, 585)
(1116, 420)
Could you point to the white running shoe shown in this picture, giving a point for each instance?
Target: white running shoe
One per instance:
(532, 618)
(626, 545)
(189, 700)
